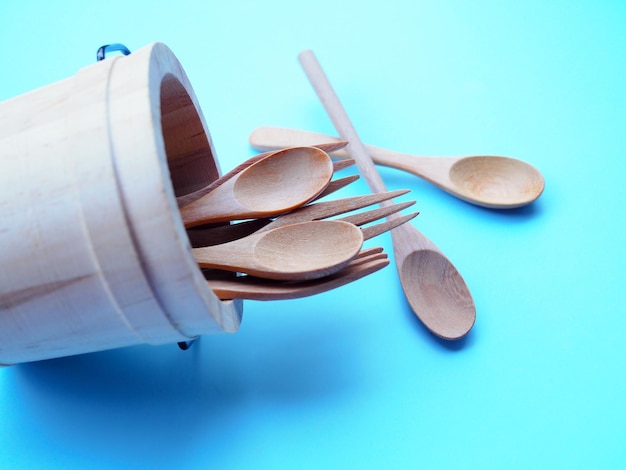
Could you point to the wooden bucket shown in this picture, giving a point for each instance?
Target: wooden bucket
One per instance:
(93, 252)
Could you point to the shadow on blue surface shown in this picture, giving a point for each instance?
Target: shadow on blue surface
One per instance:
(459, 345)
(154, 403)
(120, 402)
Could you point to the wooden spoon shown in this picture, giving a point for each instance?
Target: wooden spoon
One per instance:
(186, 199)
(302, 251)
(489, 181)
(278, 183)
(434, 288)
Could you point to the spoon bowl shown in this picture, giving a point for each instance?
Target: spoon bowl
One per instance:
(437, 293)
(186, 199)
(434, 288)
(278, 183)
(301, 251)
(496, 182)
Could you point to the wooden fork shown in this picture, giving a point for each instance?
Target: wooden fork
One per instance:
(316, 211)
(254, 288)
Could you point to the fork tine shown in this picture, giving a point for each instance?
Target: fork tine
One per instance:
(363, 218)
(364, 256)
(251, 288)
(199, 236)
(336, 185)
(374, 230)
(368, 259)
(320, 210)
(323, 210)
(341, 164)
(214, 235)
(369, 251)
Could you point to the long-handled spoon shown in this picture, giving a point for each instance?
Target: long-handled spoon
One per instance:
(434, 288)
(302, 251)
(254, 288)
(490, 181)
(278, 183)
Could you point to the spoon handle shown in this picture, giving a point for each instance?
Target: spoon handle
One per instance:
(432, 169)
(434, 288)
(341, 121)
(296, 252)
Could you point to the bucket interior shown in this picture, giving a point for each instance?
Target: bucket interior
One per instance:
(190, 158)
(190, 155)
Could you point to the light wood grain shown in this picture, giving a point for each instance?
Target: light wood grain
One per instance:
(93, 253)
(280, 182)
(496, 182)
(434, 288)
(326, 209)
(187, 199)
(214, 235)
(249, 287)
(336, 185)
(302, 251)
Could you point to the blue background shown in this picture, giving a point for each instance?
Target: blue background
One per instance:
(350, 378)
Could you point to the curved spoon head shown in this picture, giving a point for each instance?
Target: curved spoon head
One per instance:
(496, 182)
(284, 180)
(307, 250)
(278, 183)
(437, 294)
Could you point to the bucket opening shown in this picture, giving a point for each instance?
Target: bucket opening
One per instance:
(190, 158)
